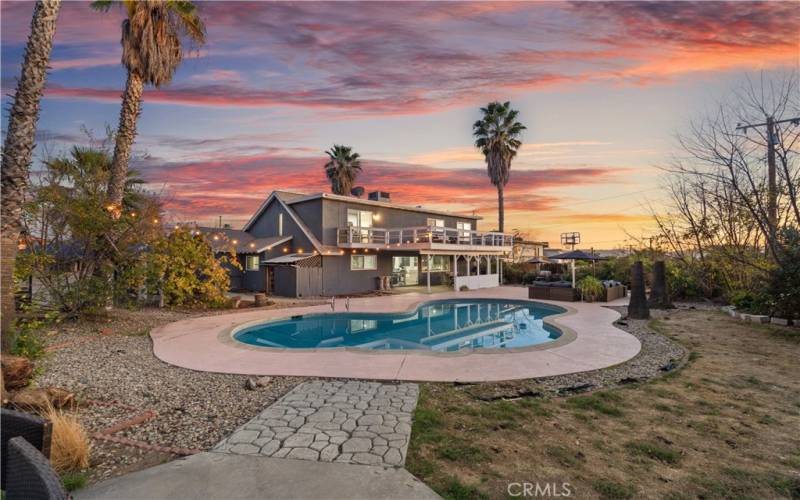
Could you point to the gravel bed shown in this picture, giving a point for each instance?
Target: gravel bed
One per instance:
(111, 360)
(658, 355)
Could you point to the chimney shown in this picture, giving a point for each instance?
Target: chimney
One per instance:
(379, 196)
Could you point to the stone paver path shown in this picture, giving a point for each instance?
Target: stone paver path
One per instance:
(343, 421)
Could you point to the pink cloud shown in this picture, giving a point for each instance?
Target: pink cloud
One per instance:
(235, 187)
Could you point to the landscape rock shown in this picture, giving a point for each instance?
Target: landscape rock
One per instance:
(17, 371)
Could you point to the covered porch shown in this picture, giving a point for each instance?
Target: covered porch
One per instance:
(467, 270)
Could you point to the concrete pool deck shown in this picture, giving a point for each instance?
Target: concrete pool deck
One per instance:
(591, 342)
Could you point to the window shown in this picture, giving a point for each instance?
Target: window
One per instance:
(359, 218)
(251, 264)
(363, 262)
(435, 222)
(439, 263)
(280, 224)
(464, 234)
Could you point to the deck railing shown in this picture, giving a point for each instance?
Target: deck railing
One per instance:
(422, 234)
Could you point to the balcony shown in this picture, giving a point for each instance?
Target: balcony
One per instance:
(423, 238)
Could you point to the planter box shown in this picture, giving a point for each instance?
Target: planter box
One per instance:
(758, 318)
(780, 321)
(613, 293)
(562, 294)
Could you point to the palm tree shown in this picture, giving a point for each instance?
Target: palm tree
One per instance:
(18, 149)
(342, 169)
(497, 136)
(151, 52)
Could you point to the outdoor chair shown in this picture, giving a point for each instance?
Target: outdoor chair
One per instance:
(35, 430)
(30, 475)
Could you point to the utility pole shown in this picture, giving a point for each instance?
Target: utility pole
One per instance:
(772, 183)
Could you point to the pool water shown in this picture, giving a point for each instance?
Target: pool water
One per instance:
(440, 326)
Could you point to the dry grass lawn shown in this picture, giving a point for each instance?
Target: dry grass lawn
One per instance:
(727, 425)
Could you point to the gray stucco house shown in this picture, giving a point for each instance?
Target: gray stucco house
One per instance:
(301, 245)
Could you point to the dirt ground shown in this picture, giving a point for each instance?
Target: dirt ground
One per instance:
(726, 425)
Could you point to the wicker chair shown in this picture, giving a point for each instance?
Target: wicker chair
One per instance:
(30, 474)
(36, 431)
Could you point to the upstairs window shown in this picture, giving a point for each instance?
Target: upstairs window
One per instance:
(359, 218)
(435, 222)
(251, 263)
(280, 224)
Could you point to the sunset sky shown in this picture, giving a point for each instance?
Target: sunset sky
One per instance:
(602, 88)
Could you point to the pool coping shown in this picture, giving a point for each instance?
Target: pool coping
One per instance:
(589, 341)
(567, 335)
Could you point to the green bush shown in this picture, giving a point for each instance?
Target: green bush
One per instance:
(756, 302)
(183, 267)
(591, 288)
(29, 340)
(513, 273)
(784, 281)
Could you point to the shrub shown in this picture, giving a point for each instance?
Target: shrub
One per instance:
(513, 273)
(184, 268)
(28, 341)
(70, 446)
(784, 281)
(591, 288)
(755, 302)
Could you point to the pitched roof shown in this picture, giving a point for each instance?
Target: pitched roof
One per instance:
(281, 196)
(243, 242)
(385, 204)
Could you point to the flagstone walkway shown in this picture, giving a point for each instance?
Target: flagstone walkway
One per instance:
(366, 423)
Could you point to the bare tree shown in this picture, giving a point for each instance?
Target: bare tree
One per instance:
(718, 185)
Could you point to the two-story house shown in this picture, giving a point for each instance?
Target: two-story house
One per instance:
(301, 245)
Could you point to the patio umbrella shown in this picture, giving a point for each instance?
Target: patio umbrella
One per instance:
(576, 255)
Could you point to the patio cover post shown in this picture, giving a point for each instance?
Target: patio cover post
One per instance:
(429, 273)
(455, 271)
(573, 273)
(500, 262)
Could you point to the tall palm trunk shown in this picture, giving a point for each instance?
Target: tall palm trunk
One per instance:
(501, 211)
(126, 133)
(18, 149)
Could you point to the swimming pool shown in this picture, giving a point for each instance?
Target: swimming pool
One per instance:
(438, 326)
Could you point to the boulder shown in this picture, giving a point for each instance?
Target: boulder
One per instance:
(17, 371)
